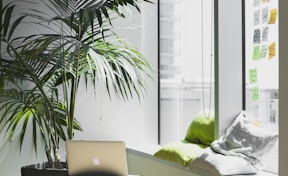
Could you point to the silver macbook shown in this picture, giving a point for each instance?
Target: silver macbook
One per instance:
(85, 156)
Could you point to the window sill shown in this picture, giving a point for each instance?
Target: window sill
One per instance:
(148, 152)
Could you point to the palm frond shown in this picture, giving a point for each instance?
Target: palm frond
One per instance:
(21, 108)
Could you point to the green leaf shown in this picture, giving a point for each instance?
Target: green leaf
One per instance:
(14, 26)
(8, 16)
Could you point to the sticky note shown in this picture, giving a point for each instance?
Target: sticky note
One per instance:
(257, 17)
(273, 16)
(264, 51)
(256, 53)
(272, 51)
(255, 94)
(265, 32)
(253, 76)
(256, 3)
(256, 122)
(257, 36)
(265, 1)
(265, 14)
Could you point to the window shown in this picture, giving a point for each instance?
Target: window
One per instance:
(262, 68)
(186, 64)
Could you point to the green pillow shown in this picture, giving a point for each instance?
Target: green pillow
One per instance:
(201, 129)
(182, 152)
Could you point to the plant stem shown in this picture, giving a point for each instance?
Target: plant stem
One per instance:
(74, 88)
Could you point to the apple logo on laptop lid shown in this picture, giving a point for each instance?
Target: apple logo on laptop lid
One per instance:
(96, 161)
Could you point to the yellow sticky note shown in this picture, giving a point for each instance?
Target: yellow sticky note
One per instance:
(256, 122)
(272, 50)
(256, 53)
(253, 76)
(273, 16)
(255, 94)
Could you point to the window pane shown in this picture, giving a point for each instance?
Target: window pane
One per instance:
(262, 68)
(186, 64)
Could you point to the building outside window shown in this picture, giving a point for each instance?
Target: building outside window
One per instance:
(186, 64)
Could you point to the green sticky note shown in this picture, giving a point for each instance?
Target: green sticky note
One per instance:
(253, 76)
(256, 53)
(255, 94)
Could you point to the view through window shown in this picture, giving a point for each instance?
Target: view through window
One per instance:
(186, 64)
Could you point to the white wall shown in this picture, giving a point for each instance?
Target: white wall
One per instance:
(103, 119)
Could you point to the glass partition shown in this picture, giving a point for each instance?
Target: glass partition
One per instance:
(262, 67)
(186, 64)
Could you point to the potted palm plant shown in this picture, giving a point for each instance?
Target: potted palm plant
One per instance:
(40, 73)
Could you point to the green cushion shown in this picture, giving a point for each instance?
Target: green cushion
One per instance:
(182, 152)
(201, 129)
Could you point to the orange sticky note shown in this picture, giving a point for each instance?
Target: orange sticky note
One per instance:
(272, 51)
(273, 16)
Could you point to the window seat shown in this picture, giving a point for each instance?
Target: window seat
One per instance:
(243, 149)
(141, 161)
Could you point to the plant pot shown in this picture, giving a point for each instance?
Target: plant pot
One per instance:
(41, 169)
